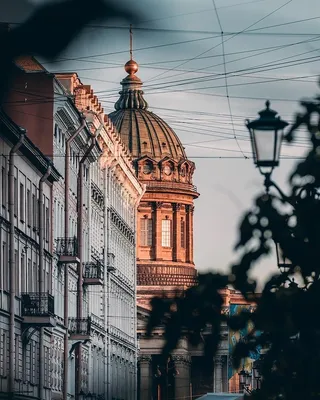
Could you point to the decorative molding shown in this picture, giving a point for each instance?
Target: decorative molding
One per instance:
(144, 358)
(158, 205)
(219, 360)
(181, 359)
(176, 207)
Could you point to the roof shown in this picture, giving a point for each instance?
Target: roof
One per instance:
(29, 64)
(222, 396)
(12, 132)
(143, 132)
(146, 134)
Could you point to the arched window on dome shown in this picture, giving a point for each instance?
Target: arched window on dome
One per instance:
(147, 167)
(168, 169)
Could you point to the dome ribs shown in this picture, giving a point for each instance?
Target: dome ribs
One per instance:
(152, 134)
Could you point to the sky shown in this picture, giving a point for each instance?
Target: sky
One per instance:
(269, 49)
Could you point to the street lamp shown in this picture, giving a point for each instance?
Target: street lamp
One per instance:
(266, 134)
(242, 377)
(256, 373)
(283, 262)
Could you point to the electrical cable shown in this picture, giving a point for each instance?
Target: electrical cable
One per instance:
(231, 37)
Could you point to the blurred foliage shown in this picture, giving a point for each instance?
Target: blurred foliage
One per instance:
(53, 26)
(288, 315)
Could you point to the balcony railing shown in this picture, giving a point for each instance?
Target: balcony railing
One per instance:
(38, 309)
(67, 250)
(79, 328)
(67, 246)
(93, 273)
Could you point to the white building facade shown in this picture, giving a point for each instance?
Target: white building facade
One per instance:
(81, 308)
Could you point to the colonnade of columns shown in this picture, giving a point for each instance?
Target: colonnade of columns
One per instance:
(182, 379)
(177, 215)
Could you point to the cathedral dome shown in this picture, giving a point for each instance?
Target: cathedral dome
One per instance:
(143, 132)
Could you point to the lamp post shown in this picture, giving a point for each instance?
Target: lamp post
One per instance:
(245, 380)
(266, 134)
(256, 373)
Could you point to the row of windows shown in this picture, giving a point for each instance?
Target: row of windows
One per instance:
(27, 272)
(26, 359)
(26, 202)
(146, 232)
(74, 156)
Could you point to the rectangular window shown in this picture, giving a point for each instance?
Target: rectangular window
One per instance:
(23, 274)
(3, 354)
(35, 211)
(17, 351)
(4, 186)
(166, 233)
(29, 273)
(146, 231)
(5, 267)
(15, 196)
(16, 261)
(35, 278)
(183, 234)
(28, 207)
(22, 205)
(47, 227)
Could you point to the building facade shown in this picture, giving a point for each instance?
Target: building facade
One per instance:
(92, 276)
(26, 264)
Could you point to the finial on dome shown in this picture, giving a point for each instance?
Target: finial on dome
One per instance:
(131, 67)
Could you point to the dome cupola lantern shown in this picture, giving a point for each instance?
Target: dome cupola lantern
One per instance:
(165, 213)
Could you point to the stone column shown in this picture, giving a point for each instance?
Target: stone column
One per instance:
(176, 231)
(157, 230)
(189, 234)
(218, 365)
(145, 368)
(183, 377)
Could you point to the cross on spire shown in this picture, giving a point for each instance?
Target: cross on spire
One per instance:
(130, 41)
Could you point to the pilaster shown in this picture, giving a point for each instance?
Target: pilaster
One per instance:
(218, 366)
(145, 368)
(176, 207)
(157, 205)
(182, 388)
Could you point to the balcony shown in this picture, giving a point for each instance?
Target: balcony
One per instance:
(67, 250)
(79, 328)
(38, 309)
(93, 273)
(110, 262)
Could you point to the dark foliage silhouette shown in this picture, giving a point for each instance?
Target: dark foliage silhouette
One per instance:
(287, 316)
(49, 30)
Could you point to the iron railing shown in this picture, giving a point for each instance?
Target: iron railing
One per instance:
(80, 326)
(93, 270)
(37, 304)
(67, 246)
(97, 321)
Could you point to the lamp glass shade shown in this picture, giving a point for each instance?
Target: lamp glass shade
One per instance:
(266, 134)
(283, 262)
(248, 379)
(242, 377)
(256, 370)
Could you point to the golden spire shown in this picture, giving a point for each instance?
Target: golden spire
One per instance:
(131, 67)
